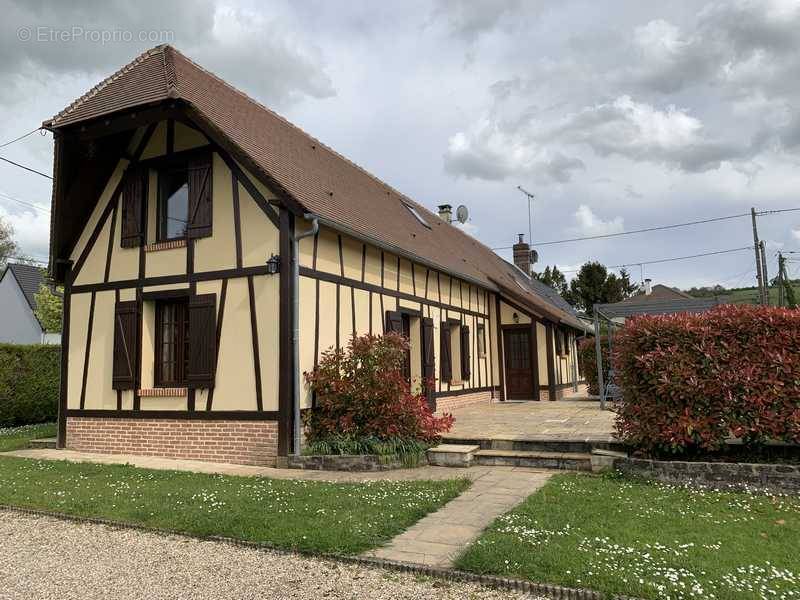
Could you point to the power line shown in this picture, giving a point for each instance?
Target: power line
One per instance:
(643, 230)
(26, 168)
(24, 203)
(664, 260)
(22, 137)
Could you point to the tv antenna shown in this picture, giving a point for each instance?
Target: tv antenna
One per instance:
(530, 212)
(462, 214)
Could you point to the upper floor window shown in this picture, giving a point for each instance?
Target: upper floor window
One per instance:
(173, 203)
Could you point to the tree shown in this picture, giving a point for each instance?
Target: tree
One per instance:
(554, 278)
(629, 288)
(595, 285)
(49, 307)
(8, 247)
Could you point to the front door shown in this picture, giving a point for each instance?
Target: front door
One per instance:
(519, 368)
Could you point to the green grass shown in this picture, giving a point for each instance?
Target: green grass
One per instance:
(305, 515)
(646, 540)
(14, 438)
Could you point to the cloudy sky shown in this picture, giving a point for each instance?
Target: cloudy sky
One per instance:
(617, 115)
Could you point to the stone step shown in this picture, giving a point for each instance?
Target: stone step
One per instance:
(42, 443)
(452, 455)
(538, 445)
(570, 461)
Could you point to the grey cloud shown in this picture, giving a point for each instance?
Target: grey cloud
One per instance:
(468, 19)
(253, 50)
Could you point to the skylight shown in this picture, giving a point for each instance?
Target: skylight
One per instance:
(416, 214)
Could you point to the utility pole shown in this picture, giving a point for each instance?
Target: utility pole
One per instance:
(764, 274)
(780, 279)
(530, 211)
(757, 248)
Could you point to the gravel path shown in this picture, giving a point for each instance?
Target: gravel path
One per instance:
(47, 558)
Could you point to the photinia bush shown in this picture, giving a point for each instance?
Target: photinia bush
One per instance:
(361, 392)
(691, 381)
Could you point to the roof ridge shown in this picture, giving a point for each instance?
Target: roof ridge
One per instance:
(105, 82)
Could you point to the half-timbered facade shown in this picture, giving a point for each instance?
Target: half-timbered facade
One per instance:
(211, 251)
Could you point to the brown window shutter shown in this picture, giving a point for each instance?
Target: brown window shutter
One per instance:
(394, 321)
(559, 333)
(428, 357)
(126, 344)
(445, 362)
(134, 203)
(200, 205)
(202, 341)
(466, 363)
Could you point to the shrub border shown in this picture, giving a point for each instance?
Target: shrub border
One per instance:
(443, 573)
(781, 478)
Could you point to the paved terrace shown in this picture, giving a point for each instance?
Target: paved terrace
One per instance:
(562, 420)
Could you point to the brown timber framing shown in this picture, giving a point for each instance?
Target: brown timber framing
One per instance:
(286, 349)
(254, 334)
(355, 283)
(61, 437)
(223, 294)
(198, 415)
(551, 365)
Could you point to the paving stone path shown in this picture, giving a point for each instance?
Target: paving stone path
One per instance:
(435, 540)
(439, 538)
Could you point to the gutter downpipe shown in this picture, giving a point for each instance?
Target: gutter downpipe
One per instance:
(295, 259)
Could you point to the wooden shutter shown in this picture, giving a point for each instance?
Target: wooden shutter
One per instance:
(126, 344)
(200, 207)
(559, 344)
(134, 203)
(445, 361)
(202, 341)
(428, 358)
(466, 362)
(566, 342)
(394, 321)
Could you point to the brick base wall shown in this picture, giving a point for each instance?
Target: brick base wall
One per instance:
(448, 403)
(239, 442)
(566, 392)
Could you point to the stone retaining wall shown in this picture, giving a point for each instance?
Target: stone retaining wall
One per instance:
(769, 477)
(346, 462)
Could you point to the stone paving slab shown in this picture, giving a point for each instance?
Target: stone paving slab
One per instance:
(438, 539)
(562, 420)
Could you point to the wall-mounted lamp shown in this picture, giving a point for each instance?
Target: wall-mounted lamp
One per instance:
(273, 264)
(515, 318)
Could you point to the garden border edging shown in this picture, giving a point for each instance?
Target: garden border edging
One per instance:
(355, 463)
(780, 478)
(556, 592)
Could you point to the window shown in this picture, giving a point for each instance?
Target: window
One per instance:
(172, 342)
(173, 202)
(481, 340)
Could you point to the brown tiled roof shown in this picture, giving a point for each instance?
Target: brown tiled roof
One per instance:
(322, 181)
(658, 293)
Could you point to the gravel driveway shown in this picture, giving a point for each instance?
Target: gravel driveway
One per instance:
(48, 558)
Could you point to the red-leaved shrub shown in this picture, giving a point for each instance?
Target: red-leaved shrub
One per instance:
(692, 380)
(361, 392)
(587, 359)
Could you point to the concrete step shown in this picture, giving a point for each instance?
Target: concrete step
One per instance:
(452, 455)
(569, 461)
(538, 445)
(42, 443)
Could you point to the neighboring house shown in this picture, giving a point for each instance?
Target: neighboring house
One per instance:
(177, 204)
(657, 300)
(18, 321)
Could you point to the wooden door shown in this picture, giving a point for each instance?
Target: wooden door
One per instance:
(518, 363)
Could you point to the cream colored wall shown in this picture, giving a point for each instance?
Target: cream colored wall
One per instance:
(507, 315)
(484, 371)
(541, 345)
(235, 380)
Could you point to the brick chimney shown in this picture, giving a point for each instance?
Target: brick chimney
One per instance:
(446, 213)
(522, 255)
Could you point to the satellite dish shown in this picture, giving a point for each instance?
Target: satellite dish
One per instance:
(534, 257)
(462, 214)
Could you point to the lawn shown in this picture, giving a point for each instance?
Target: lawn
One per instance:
(14, 438)
(305, 515)
(646, 540)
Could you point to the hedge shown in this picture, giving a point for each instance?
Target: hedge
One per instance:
(29, 384)
(690, 381)
(587, 359)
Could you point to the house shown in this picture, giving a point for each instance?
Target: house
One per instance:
(211, 251)
(18, 321)
(657, 300)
